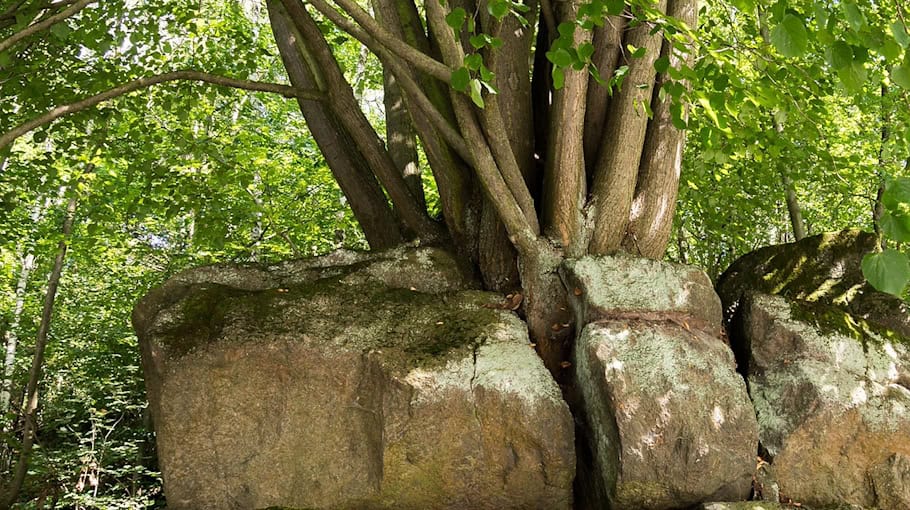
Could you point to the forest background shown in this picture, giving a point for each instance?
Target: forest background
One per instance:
(802, 103)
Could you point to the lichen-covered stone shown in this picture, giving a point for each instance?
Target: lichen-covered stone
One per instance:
(832, 401)
(382, 383)
(825, 269)
(669, 422)
(616, 286)
(742, 505)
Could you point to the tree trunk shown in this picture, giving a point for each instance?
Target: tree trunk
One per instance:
(885, 124)
(12, 333)
(29, 414)
(370, 207)
(794, 211)
(529, 157)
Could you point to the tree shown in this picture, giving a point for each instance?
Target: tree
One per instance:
(523, 180)
(552, 130)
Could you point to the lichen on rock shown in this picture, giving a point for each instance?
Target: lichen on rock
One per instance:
(385, 382)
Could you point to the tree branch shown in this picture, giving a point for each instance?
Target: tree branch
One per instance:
(521, 233)
(37, 27)
(368, 31)
(352, 118)
(60, 111)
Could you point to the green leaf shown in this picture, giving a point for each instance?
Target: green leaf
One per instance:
(560, 57)
(460, 79)
(901, 75)
(888, 271)
(821, 14)
(585, 51)
(566, 29)
(854, 16)
(61, 31)
(790, 37)
(455, 19)
(478, 41)
(498, 8)
(473, 61)
(475, 94)
(559, 78)
(890, 50)
(853, 77)
(897, 193)
(636, 52)
(895, 226)
(486, 75)
(615, 7)
(661, 64)
(840, 55)
(899, 31)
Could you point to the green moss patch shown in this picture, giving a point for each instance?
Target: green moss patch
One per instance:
(410, 328)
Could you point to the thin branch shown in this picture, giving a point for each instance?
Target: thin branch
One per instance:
(37, 27)
(422, 102)
(546, 9)
(521, 232)
(60, 111)
(367, 30)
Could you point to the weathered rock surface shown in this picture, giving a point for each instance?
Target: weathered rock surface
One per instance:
(742, 505)
(832, 397)
(825, 269)
(355, 382)
(624, 286)
(668, 420)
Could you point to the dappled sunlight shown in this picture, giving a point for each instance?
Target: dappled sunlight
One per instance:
(717, 417)
(858, 396)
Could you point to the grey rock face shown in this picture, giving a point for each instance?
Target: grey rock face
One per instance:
(382, 383)
(832, 401)
(669, 423)
(621, 285)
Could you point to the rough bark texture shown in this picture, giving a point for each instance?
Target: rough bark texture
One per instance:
(564, 181)
(654, 205)
(616, 172)
(607, 42)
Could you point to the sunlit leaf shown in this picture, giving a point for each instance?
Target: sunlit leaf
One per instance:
(888, 271)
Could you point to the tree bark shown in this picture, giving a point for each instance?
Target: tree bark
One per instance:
(12, 333)
(615, 174)
(565, 183)
(370, 206)
(11, 491)
(346, 109)
(607, 42)
(654, 204)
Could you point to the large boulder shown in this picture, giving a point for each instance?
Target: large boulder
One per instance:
(832, 395)
(825, 268)
(668, 420)
(350, 381)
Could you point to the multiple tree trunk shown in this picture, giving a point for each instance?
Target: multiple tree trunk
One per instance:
(536, 175)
